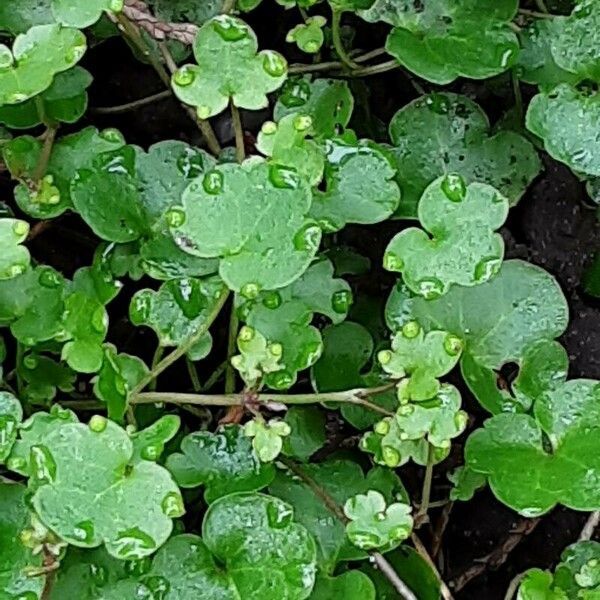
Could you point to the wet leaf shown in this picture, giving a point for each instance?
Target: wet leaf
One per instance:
(88, 492)
(14, 258)
(14, 556)
(458, 245)
(44, 376)
(557, 443)
(307, 424)
(228, 67)
(78, 14)
(267, 437)
(149, 444)
(566, 119)
(328, 102)
(453, 38)
(17, 16)
(497, 321)
(341, 479)
(352, 585)
(374, 524)
(257, 356)
(224, 462)
(466, 483)
(284, 318)
(37, 56)
(11, 415)
(359, 185)
(252, 217)
(308, 36)
(445, 133)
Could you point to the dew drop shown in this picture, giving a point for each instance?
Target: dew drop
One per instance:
(137, 568)
(184, 76)
(99, 320)
(158, 585)
(151, 452)
(49, 278)
(487, 268)
(75, 53)
(112, 135)
(246, 334)
(430, 288)
(391, 456)
(203, 111)
(364, 540)
(84, 532)
(308, 238)
(141, 306)
(250, 290)
(98, 424)
(382, 427)
(175, 217)
(30, 362)
(191, 164)
(438, 103)
(295, 93)
(276, 349)
(229, 28)
(454, 187)
(411, 329)
(312, 47)
(98, 574)
(460, 420)
(392, 262)
(274, 64)
(406, 410)
(280, 380)
(269, 128)
(6, 58)
(279, 515)
(16, 270)
(399, 533)
(302, 123)
(172, 505)
(20, 228)
(272, 300)
(133, 543)
(42, 463)
(15, 463)
(283, 177)
(384, 357)
(212, 182)
(341, 301)
(453, 345)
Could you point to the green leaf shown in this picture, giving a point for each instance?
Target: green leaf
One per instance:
(352, 585)
(14, 556)
(466, 483)
(423, 357)
(89, 493)
(340, 479)
(149, 443)
(187, 11)
(17, 16)
(44, 376)
(445, 133)
(558, 445)
(178, 309)
(11, 415)
(565, 119)
(498, 321)
(97, 281)
(360, 186)
(118, 374)
(374, 523)
(14, 258)
(224, 462)
(459, 244)
(285, 144)
(69, 154)
(253, 217)
(308, 36)
(280, 562)
(267, 437)
(37, 56)
(307, 424)
(454, 38)
(107, 198)
(78, 14)
(257, 356)
(347, 351)
(328, 102)
(536, 585)
(284, 318)
(350, 5)
(229, 68)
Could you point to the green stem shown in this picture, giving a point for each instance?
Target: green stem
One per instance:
(158, 354)
(517, 94)
(121, 108)
(180, 351)
(421, 516)
(191, 367)
(42, 163)
(389, 65)
(336, 22)
(19, 361)
(234, 324)
(357, 397)
(535, 14)
(240, 149)
(215, 376)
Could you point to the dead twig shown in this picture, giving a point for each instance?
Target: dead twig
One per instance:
(590, 526)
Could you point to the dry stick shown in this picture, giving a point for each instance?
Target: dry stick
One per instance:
(541, 5)
(420, 548)
(513, 585)
(139, 13)
(133, 105)
(535, 14)
(438, 534)
(384, 566)
(498, 556)
(590, 526)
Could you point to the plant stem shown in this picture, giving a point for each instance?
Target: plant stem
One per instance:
(215, 376)
(384, 566)
(335, 64)
(590, 526)
(180, 351)
(42, 163)
(191, 367)
(228, 6)
(513, 586)
(517, 94)
(541, 6)
(336, 22)
(240, 149)
(535, 14)
(133, 105)
(356, 396)
(420, 548)
(389, 65)
(234, 324)
(158, 354)
(421, 516)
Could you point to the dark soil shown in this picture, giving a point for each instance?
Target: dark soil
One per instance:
(553, 226)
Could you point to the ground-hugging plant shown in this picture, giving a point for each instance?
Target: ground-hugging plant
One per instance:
(241, 484)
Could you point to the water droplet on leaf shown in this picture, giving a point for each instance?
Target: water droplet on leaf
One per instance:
(84, 532)
(229, 28)
(42, 463)
(172, 505)
(392, 262)
(308, 238)
(391, 456)
(250, 290)
(430, 288)
(115, 5)
(280, 380)
(269, 128)
(453, 345)
(213, 182)
(272, 300)
(20, 228)
(438, 103)
(341, 301)
(279, 515)
(454, 187)
(112, 135)
(184, 76)
(246, 334)
(274, 64)
(283, 177)
(487, 268)
(411, 329)
(98, 423)
(302, 123)
(49, 278)
(175, 217)
(384, 357)
(133, 543)
(295, 93)
(151, 452)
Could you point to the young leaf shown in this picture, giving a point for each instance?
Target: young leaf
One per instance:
(258, 357)
(466, 483)
(558, 445)
(253, 217)
(97, 281)
(77, 14)
(454, 38)
(360, 186)
(565, 119)
(37, 56)
(88, 492)
(351, 585)
(14, 258)
(224, 462)
(284, 318)
(328, 102)
(11, 415)
(422, 357)
(149, 443)
(443, 133)
(267, 437)
(307, 424)
(229, 68)
(14, 556)
(309, 36)
(459, 244)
